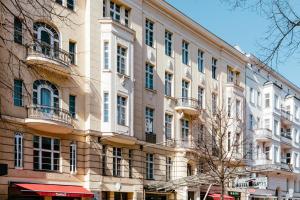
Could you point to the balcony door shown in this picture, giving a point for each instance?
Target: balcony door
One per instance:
(46, 42)
(46, 100)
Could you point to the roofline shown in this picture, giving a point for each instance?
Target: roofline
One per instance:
(189, 22)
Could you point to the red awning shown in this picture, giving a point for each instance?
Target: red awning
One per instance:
(218, 197)
(55, 190)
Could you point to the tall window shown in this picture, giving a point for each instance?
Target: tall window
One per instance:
(258, 98)
(18, 30)
(70, 4)
(72, 52)
(267, 100)
(276, 101)
(184, 89)
(276, 151)
(200, 61)
(276, 127)
(238, 109)
(130, 156)
(149, 32)
(168, 43)
(229, 141)
(73, 157)
(104, 160)
(149, 76)
(251, 122)
(72, 105)
(103, 8)
(106, 55)
(149, 119)
(121, 110)
(201, 97)
(117, 158)
(115, 11)
(214, 103)
(105, 107)
(230, 75)
(121, 59)
(229, 107)
(18, 96)
(214, 68)
(185, 128)
(149, 166)
(168, 168)
(126, 17)
(18, 150)
(168, 126)
(46, 95)
(185, 52)
(46, 153)
(251, 95)
(168, 84)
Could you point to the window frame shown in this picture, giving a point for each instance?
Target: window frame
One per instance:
(122, 110)
(121, 59)
(214, 68)
(73, 55)
(168, 168)
(149, 115)
(72, 98)
(149, 76)
(117, 162)
(19, 149)
(185, 129)
(18, 30)
(106, 106)
(115, 11)
(18, 95)
(168, 43)
(150, 166)
(185, 52)
(200, 60)
(149, 33)
(73, 157)
(106, 55)
(168, 84)
(168, 126)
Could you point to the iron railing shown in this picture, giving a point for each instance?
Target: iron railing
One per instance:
(151, 137)
(188, 102)
(49, 52)
(49, 113)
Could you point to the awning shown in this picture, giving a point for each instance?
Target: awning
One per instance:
(55, 190)
(218, 197)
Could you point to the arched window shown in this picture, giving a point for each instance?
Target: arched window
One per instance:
(47, 39)
(46, 95)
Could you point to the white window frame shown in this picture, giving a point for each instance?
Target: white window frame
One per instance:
(259, 98)
(200, 61)
(168, 168)
(149, 76)
(106, 56)
(117, 162)
(150, 166)
(106, 110)
(185, 52)
(149, 120)
(168, 125)
(214, 68)
(122, 110)
(214, 102)
(168, 43)
(168, 84)
(121, 59)
(276, 101)
(19, 150)
(149, 32)
(267, 100)
(276, 127)
(201, 96)
(185, 129)
(113, 12)
(185, 89)
(73, 157)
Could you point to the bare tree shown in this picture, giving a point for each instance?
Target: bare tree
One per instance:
(282, 38)
(222, 145)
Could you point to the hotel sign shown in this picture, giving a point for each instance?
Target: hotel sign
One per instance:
(258, 182)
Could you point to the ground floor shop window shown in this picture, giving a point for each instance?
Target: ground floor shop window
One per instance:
(156, 197)
(120, 196)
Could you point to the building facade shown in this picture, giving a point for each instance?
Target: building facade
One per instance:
(106, 103)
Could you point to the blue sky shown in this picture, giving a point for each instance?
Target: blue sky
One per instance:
(237, 27)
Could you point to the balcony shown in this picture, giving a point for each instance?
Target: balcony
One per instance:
(263, 135)
(49, 119)
(151, 138)
(188, 106)
(235, 86)
(285, 166)
(285, 137)
(286, 117)
(48, 57)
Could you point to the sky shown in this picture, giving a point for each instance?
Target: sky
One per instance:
(241, 27)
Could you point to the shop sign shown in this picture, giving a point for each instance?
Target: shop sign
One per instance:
(258, 182)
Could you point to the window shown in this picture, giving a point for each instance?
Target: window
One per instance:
(229, 141)
(201, 97)
(104, 8)
(214, 103)
(276, 101)
(149, 166)
(104, 161)
(201, 133)
(296, 112)
(115, 11)
(267, 100)
(168, 43)
(106, 106)
(252, 95)
(267, 153)
(200, 61)
(106, 55)
(185, 129)
(185, 52)
(18, 150)
(214, 68)
(121, 110)
(149, 118)
(258, 98)
(230, 75)
(296, 163)
(72, 105)
(267, 124)
(70, 4)
(168, 126)
(46, 153)
(149, 76)
(121, 60)
(276, 154)
(149, 32)
(189, 170)
(126, 17)
(73, 157)
(296, 135)
(184, 89)
(251, 122)
(130, 162)
(237, 142)
(229, 107)
(18, 93)
(238, 109)
(18, 30)
(168, 168)
(168, 84)
(117, 158)
(72, 52)
(276, 127)
(46, 96)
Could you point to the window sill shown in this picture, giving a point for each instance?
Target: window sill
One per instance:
(48, 171)
(150, 179)
(19, 168)
(123, 75)
(123, 125)
(170, 97)
(152, 47)
(151, 90)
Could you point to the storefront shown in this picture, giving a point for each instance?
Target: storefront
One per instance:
(155, 196)
(32, 191)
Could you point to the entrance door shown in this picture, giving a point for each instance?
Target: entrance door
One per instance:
(191, 195)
